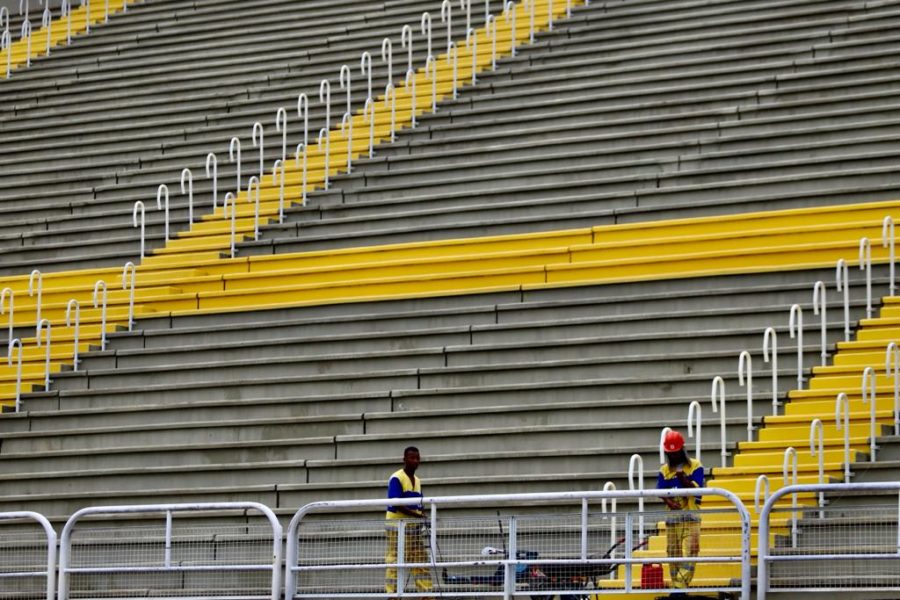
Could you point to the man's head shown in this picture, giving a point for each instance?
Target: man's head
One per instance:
(411, 459)
(673, 446)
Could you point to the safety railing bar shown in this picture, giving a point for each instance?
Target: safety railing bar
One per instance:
(799, 557)
(183, 569)
(50, 533)
(520, 561)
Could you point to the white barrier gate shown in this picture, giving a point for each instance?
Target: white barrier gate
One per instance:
(536, 555)
(178, 558)
(28, 569)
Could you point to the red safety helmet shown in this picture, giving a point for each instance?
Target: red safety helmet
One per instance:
(673, 442)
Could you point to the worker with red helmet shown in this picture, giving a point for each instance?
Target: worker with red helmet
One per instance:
(682, 525)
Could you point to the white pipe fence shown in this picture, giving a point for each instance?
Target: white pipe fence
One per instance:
(868, 391)
(795, 328)
(842, 283)
(43, 551)
(820, 309)
(717, 397)
(770, 340)
(865, 264)
(745, 378)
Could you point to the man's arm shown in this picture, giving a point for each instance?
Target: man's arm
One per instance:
(395, 491)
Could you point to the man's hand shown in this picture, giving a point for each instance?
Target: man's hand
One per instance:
(671, 503)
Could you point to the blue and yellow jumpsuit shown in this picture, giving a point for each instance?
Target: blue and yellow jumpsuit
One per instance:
(682, 526)
(400, 486)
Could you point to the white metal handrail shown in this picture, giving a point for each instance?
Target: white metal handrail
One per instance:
(26, 35)
(409, 84)
(278, 178)
(391, 94)
(509, 16)
(766, 559)
(761, 482)
(253, 185)
(347, 132)
(865, 264)
(431, 75)
(101, 285)
(550, 15)
(745, 378)
(74, 303)
(609, 486)
(770, 339)
(281, 126)
(472, 46)
(163, 192)
(662, 443)
(532, 4)
(636, 467)
(491, 27)
(234, 155)
(795, 328)
(369, 116)
(129, 273)
(44, 326)
(344, 82)
(387, 57)
(65, 543)
(6, 44)
(257, 136)
(49, 573)
(212, 171)
(303, 113)
(8, 293)
(325, 98)
(817, 432)
(187, 187)
(888, 241)
(695, 417)
(301, 159)
(790, 458)
(324, 138)
(891, 357)
(36, 274)
(842, 423)
(447, 17)
(842, 283)
(452, 52)
(717, 397)
(16, 343)
(365, 67)
(820, 308)
(867, 388)
(139, 208)
(292, 555)
(425, 26)
(47, 24)
(230, 200)
(406, 42)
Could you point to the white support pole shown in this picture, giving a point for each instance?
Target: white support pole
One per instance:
(770, 341)
(717, 397)
(745, 378)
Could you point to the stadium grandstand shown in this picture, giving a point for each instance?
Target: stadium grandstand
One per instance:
(251, 250)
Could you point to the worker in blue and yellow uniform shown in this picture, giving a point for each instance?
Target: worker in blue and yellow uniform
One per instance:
(682, 525)
(404, 484)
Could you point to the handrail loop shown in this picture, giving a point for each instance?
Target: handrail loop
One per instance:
(230, 200)
(795, 328)
(817, 431)
(101, 285)
(842, 284)
(344, 82)
(74, 302)
(12, 308)
(128, 284)
(278, 178)
(491, 27)
(865, 264)
(636, 459)
(234, 155)
(425, 26)
(326, 139)
(389, 92)
(717, 397)
(842, 405)
(447, 17)
(409, 84)
(45, 326)
(761, 481)
(662, 443)
(888, 241)
(16, 343)
(187, 187)
(257, 136)
(509, 16)
(472, 46)
(281, 126)
(745, 369)
(301, 159)
(212, 161)
(695, 416)
(406, 41)
(162, 190)
(253, 184)
(369, 115)
(820, 308)
(892, 356)
(431, 75)
(455, 62)
(139, 206)
(36, 274)
(365, 67)
(387, 57)
(770, 339)
(609, 486)
(790, 456)
(347, 132)
(867, 388)
(25, 34)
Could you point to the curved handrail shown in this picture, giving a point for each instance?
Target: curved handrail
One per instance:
(324, 138)
(431, 75)
(101, 285)
(406, 41)
(25, 34)
(893, 352)
(795, 328)
(819, 308)
(452, 51)
(259, 132)
(139, 206)
(87, 15)
(695, 416)
(390, 92)
(790, 458)
(745, 370)
(6, 44)
(163, 189)
(888, 241)
(842, 283)
(188, 178)
(303, 113)
(281, 126)
(234, 151)
(344, 81)
(865, 264)
(817, 430)
(770, 337)
(425, 26)
(717, 397)
(212, 161)
(365, 68)
(637, 460)
(842, 404)
(4, 22)
(44, 325)
(230, 199)
(487, 9)
(278, 177)
(466, 5)
(409, 84)
(387, 56)
(532, 4)
(762, 479)
(128, 284)
(662, 444)
(472, 46)
(300, 160)
(347, 132)
(74, 302)
(369, 116)
(36, 274)
(509, 15)
(491, 27)
(550, 15)
(47, 24)
(65, 10)
(12, 309)
(16, 343)
(23, 5)
(253, 183)
(867, 388)
(447, 17)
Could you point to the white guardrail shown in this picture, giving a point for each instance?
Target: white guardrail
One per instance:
(485, 556)
(106, 550)
(30, 554)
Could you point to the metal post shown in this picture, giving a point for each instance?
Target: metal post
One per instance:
(168, 553)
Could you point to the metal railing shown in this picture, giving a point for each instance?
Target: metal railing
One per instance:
(486, 555)
(843, 548)
(30, 558)
(212, 562)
